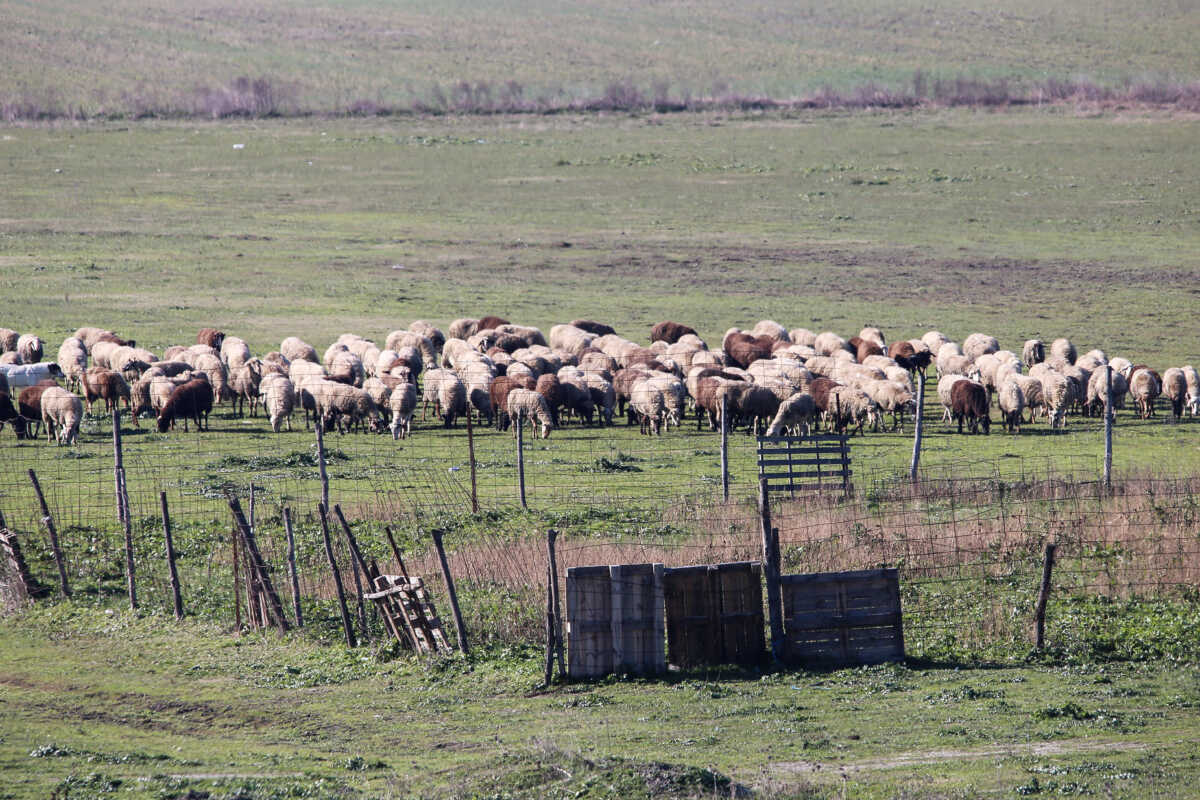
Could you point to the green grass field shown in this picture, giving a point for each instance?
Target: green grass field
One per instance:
(1045, 221)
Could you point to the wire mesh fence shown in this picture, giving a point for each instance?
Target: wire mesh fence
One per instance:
(968, 537)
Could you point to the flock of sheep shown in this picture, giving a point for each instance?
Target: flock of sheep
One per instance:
(768, 378)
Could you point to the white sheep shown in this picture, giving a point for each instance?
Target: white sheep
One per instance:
(1011, 400)
(72, 360)
(62, 409)
(1058, 393)
(278, 396)
(648, 405)
(234, 352)
(1174, 388)
(1192, 378)
(977, 344)
(1145, 386)
(794, 417)
(295, 349)
(31, 348)
(524, 404)
(1033, 352)
(403, 403)
(1062, 348)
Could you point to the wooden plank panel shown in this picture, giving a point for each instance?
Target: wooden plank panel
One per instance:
(742, 632)
(833, 475)
(692, 616)
(589, 622)
(636, 614)
(843, 618)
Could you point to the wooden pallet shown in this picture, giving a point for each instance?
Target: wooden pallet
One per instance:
(838, 619)
(409, 613)
(804, 464)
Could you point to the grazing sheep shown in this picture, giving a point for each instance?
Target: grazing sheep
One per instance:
(847, 407)
(1174, 387)
(969, 401)
(8, 340)
(347, 368)
(211, 337)
(193, 400)
(794, 416)
(906, 355)
(9, 413)
(278, 398)
(945, 386)
(234, 352)
(429, 331)
(218, 375)
(1031, 388)
(63, 410)
(109, 386)
(523, 404)
(1192, 378)
(29, 407)
(13, 358)
(548, 387)
(1011, 400)
(294, 349)
(72, 360)
(1062, 348)
(647, 405)
(1097, 391)
(346, 406)
(674, 397)
(1034, 352)
(977, 344)
(1145, 385)
(670, 332)
(750, 404)
(1058, 393)
(30, 348)
(448, 394)
(571, 339)
(828, 342)
(598, 328)
(743, 349)
(769, 327)
(866, 348)
(892, 397)
(244, 382)
(603, 396)
(498, 392)
(463, 328)
(424, 345)
(491, 322)
(873, 334)
(934, 341)
(403, 404)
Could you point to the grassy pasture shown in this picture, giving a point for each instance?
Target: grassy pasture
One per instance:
(127, 57)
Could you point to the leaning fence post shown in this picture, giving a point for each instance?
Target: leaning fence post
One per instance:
(10, 549)
(291, 557)
(347, 625)
(48, 519)
(551, 535)
(724, 447)
(519, 421)
(320, 426)
(1044, 594)
(257, 568)
(771, 570)
(1108, 426)
(919, 430)
(549, 672)
(357, 564)
(458, 620)
(176, 595)
(471, 457)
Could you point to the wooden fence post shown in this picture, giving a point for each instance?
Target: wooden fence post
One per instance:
(176, 594)
(48, 521)
(548, 678)
(237, 579)
(724, 447)
(1108, 426)
(257, 567)
(127, 523)
(771, 570)
(919, 430)
(291, 556)
(458, 620)
(118, 464)
(471, 458)
(551, 536)
(357, 565)
(337, 577)
(321, 470)
(1044, 594)
(519, 421)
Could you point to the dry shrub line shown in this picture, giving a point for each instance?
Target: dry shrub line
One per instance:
(267, 96)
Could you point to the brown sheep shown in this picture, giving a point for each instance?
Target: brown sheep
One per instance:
(598, 328)
(498, 394)
(193, 401)
(969, 401)
(744, 349)
(109, 386)
(211, 337)
(549, 387)
(490, 322)
(670, 332)
(29, 406)
(866, 348)
(8, 413)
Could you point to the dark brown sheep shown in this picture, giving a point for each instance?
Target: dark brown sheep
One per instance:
(868, 348)
(819, 388)
(969, 401)
(109, 336)
(508, 343)
(491, 321)
(907, 356)
(622, 383)
(8, 413)
(211, 337)
(598, 328)
(670, 332)
(193, 401)
(548, 387)
(29, 406)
